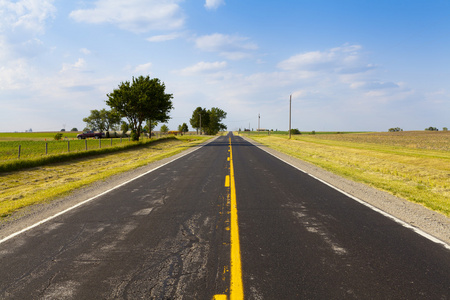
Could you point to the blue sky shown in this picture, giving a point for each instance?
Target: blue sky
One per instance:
(349, 65)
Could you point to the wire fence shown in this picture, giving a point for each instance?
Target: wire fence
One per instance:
(32, 149)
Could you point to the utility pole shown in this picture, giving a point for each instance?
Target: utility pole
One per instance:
(200, 123)
(290, 108)
(259, 118)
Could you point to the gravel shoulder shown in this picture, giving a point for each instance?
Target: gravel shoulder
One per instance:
(416, 215)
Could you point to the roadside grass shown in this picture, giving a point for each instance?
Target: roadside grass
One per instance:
(412, 165)
(33, 153)
(45, 183)
(36, 136)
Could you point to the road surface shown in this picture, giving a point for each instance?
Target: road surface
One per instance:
(226, 219)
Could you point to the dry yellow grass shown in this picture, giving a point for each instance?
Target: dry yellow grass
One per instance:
(37, 185)
(411, 165)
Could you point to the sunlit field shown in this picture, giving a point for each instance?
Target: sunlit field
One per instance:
(412, 165)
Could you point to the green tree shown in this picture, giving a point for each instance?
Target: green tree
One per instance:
(142, 99)
(103, 120)
(215, 116)
(184, 128)
(164, 128)
(96, 120)
(124, 127)
(74, 129)
(58, 136)
(150, 126)
(112, 119)
(199, 119)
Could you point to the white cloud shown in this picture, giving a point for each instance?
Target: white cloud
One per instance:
(233, 47)
(77, 66)
(143, 69)
(214, 4)
(28, 15)
(85, 51)
(373, 85)
(342, 59)
(15, 75)
(203, 67)
(20, 23)
(163, 38)
(134, 15)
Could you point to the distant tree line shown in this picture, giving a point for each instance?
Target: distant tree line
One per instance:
(431, 128)
(396, 129)
(208, 121)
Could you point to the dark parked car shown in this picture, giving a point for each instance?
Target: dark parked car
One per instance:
(88, 134)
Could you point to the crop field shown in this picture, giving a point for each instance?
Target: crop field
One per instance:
(412, 165)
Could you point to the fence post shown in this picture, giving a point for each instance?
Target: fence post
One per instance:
(85, 144)
(111, 142)
(100, 143)
(19, 150)
(68, 146)
(46, 148)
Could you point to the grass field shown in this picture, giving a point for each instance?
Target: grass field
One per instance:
(36, 136)
(411, 165)
(23, 150)
(42, 184)
(37, 144)
(9, 150)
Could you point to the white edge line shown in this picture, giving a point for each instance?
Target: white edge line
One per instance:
(403, 223)
(96, 196)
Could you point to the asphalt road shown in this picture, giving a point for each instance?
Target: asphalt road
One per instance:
(166, 235)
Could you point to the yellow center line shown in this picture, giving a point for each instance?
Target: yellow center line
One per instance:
(236, 286)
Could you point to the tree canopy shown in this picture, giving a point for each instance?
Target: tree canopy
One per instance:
(183, 128)
(164, 128)
(102, 120)
(139, 100)
(199, 119)
(96, 120)
(208, 121)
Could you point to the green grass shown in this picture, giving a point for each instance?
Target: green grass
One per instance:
(37, 152)
(37, 136)
(411, 165)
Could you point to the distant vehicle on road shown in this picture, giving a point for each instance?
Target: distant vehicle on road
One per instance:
(88, 134)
